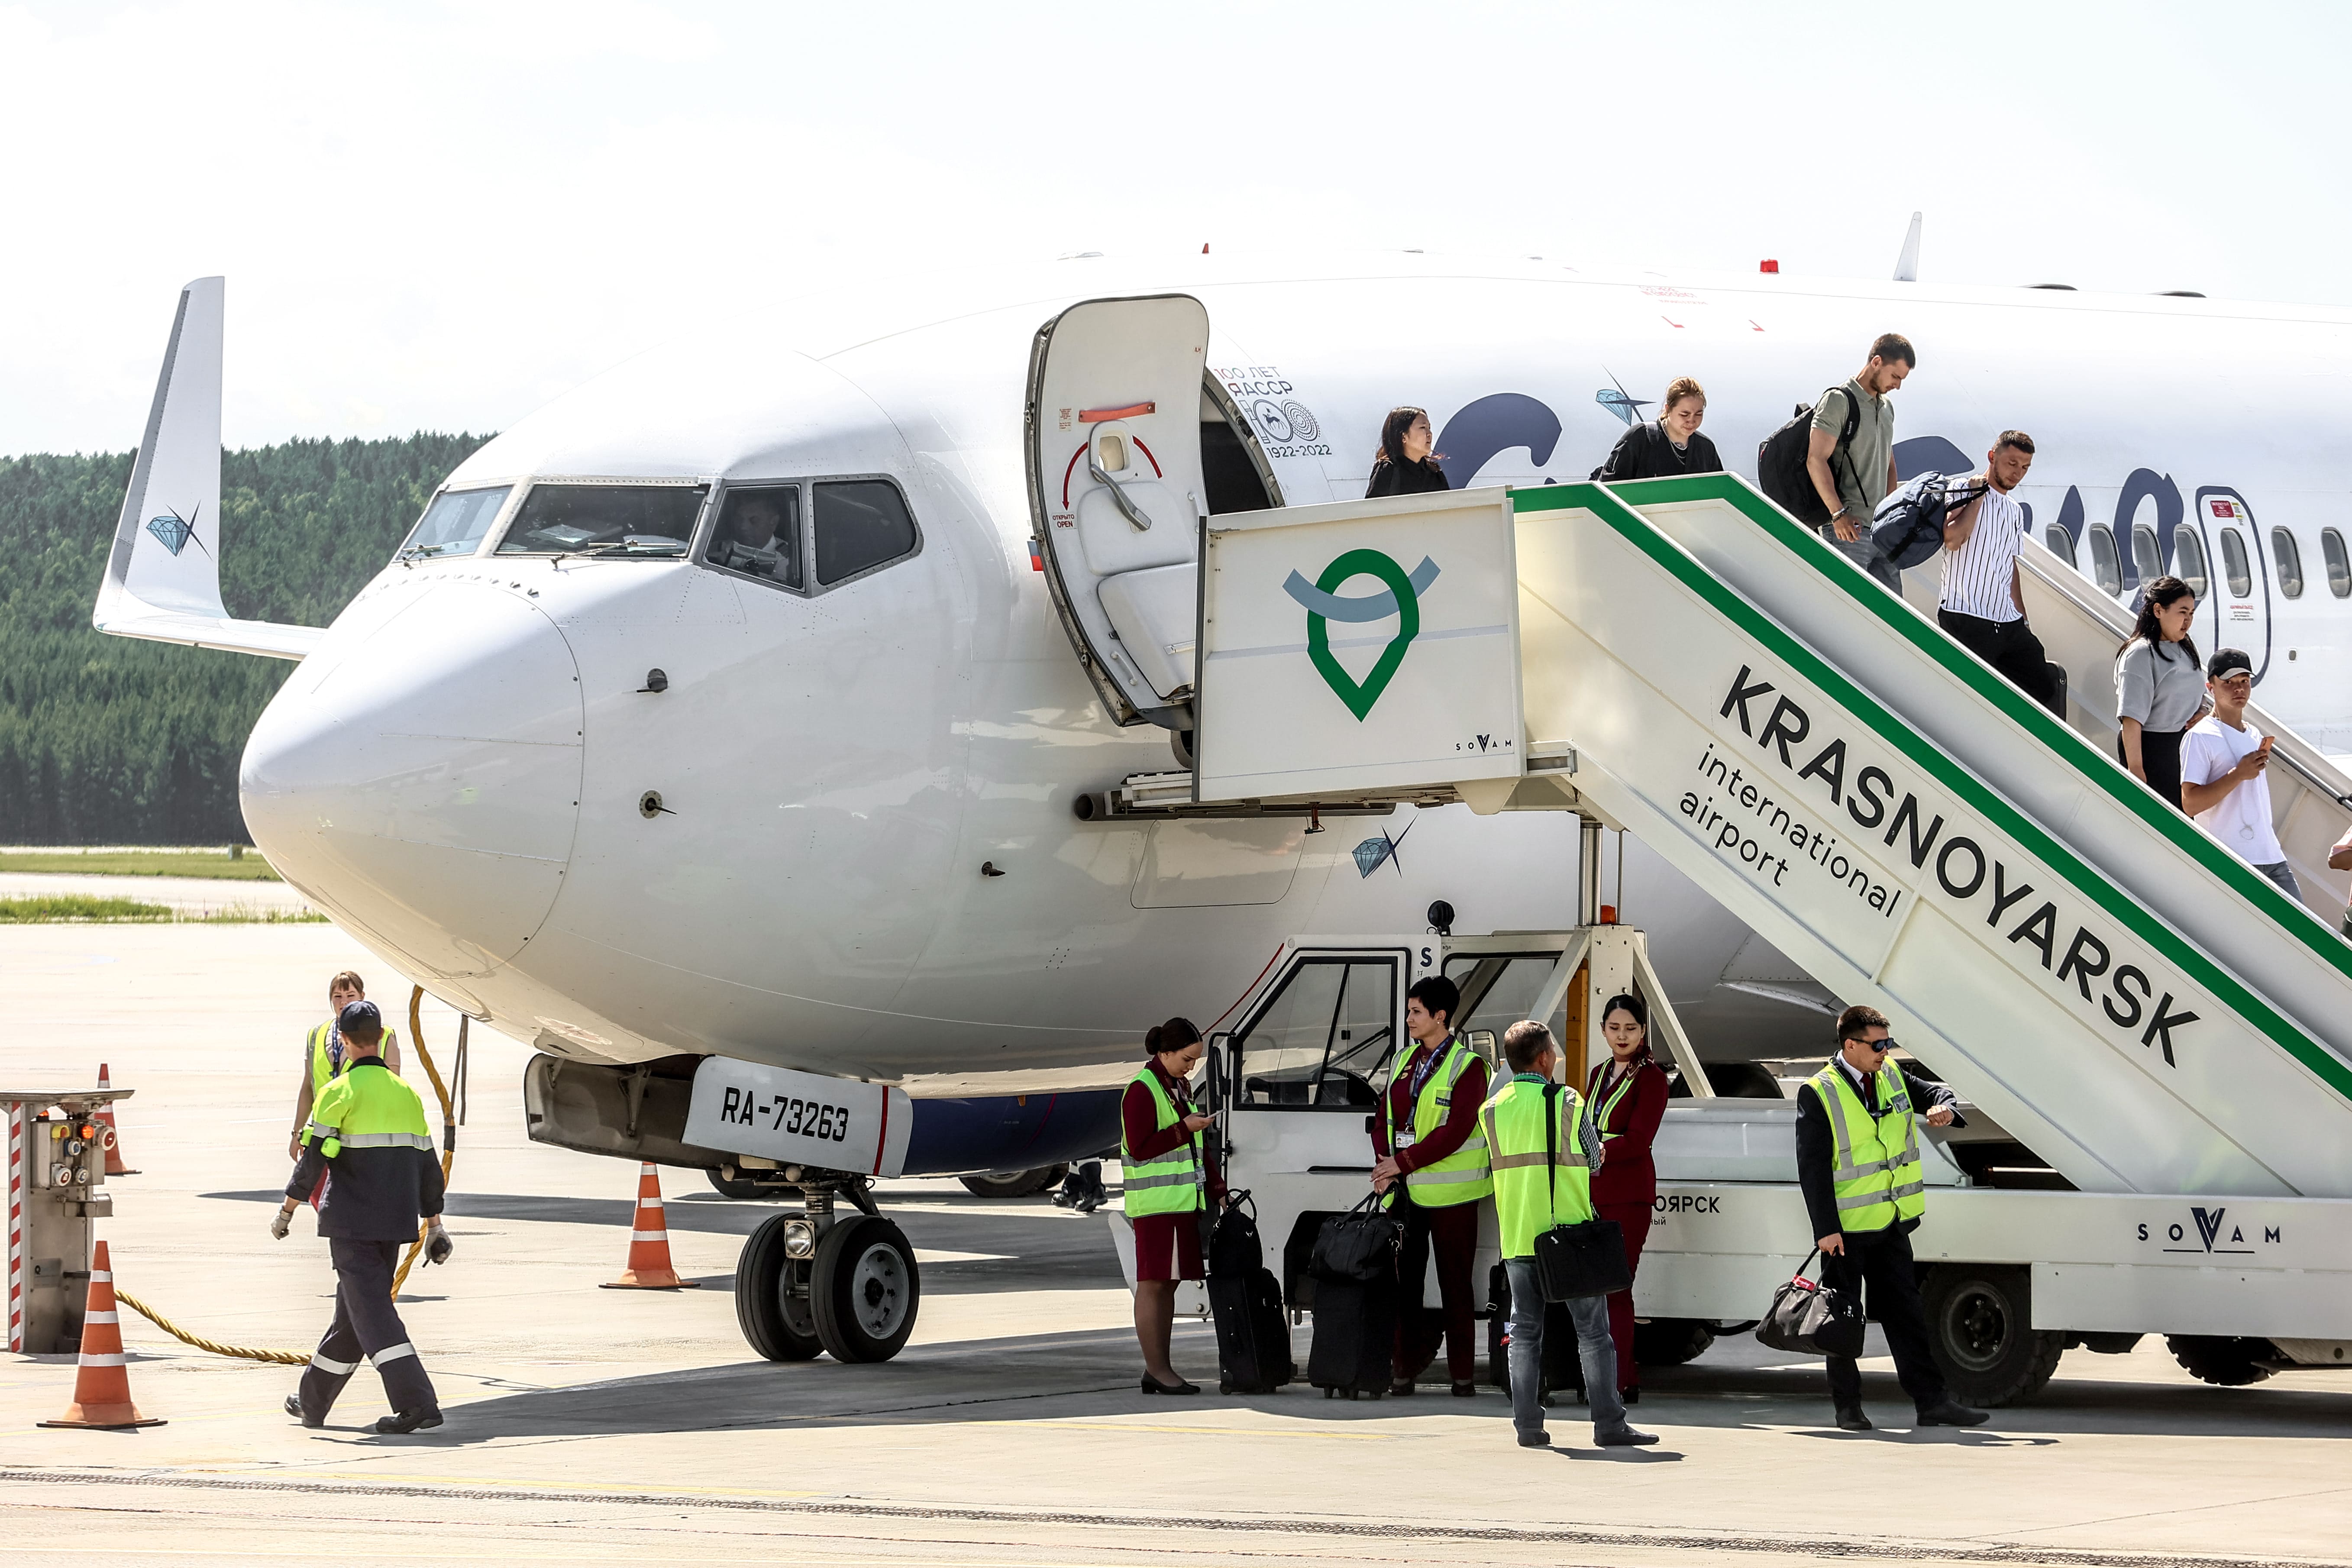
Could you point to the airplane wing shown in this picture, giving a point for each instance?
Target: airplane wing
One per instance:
(163, 578)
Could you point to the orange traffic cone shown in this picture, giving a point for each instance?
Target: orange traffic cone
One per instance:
(649, 1267)
(103, 1384)
(109, 1138)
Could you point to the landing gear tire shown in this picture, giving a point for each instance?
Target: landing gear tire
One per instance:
(1981, 1321)
(1015, 1184)
(773, 1302)
(865, 1288)
(1671, 1341)
(2221, 1362)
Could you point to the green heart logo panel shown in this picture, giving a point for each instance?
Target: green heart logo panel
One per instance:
(1360, 698)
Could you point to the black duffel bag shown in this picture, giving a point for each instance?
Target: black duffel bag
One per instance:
(1358, 1245)
(1812, 1319)
(1573, 1261)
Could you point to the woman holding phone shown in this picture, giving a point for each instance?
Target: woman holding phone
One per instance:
(1164, 1163)
(1628, 1096)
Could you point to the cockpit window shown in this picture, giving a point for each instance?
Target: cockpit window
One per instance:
(860, 525)
(455, 524)
(759, 533)
(630, 520)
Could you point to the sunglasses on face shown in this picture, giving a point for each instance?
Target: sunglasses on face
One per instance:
(1881, 1046)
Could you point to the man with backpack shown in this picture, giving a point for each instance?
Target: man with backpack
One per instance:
(1849, 457)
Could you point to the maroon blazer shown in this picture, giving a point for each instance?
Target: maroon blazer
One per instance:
(1627, 1174)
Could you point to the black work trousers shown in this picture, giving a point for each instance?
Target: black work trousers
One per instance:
(366, 1324)
(1881, 1259)
(2011, 647)
(1452, 1230)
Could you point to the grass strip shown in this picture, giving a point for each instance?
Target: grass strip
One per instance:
(248, 867)
(84, 909)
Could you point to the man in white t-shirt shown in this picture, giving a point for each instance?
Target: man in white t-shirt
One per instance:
(1980, 603)
(2223, 761)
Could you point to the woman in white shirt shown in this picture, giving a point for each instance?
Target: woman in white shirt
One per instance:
(2159, 687)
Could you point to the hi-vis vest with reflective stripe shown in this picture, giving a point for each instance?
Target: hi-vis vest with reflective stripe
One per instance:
(1534, 1190)
(367, 1111)
(323, 1068)
(1461, 1177)
(1876, 1172)
(1174, 1183)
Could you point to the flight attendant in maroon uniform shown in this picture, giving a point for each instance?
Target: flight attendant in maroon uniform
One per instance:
(1628, 1096)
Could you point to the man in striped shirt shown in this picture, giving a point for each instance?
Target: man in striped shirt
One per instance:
(1982, 605)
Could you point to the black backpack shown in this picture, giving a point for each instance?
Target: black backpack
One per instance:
(1780, 471)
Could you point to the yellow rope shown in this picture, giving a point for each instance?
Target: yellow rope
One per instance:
(283, 1358)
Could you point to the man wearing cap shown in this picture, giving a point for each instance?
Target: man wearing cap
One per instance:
(368, 1136)
(2224, 765)
(1858, 1167)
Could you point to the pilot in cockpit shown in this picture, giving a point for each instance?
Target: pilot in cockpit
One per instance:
(759, 533)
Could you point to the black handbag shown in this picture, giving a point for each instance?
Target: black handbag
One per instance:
(1573, 1261)
(1812, 1319)
(1359, 1246)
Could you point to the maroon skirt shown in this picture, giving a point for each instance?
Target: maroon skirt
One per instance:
(1168, 1247)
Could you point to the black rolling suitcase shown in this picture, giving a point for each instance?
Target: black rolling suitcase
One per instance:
(1355, 1302)
(1563, 1367)
(1253, 1333)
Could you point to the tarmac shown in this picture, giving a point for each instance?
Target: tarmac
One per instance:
(591, 1425)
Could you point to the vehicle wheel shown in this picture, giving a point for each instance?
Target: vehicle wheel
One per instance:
(2223, 1362)
(1015, 1184)
(865, 1288)
(1981, 1321)
(1670, 1341)
(772, 1297)
(738, 1187)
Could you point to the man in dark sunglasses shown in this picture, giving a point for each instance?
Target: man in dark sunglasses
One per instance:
(1858, 1165)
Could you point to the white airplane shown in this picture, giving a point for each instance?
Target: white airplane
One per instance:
(813, 696)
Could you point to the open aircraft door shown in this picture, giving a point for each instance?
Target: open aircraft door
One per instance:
(1117, 398)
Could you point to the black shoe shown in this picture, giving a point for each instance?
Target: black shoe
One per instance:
(1538, 1439)
(1466, 1388)
(1089, 1204)
(1630, 1396)
(1952, 1413)
(1062, 1197)
(1153, 1386)
(1853, 1420)
(404, 1421)
(1624, 1437)
(1400, 1386)
(294, 1409)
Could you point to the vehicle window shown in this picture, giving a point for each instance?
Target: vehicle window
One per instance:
(2339, 568)
(2188, 556)
(759, 533)
(860, 525)
(455, 524)
(2062, 546)
(2288, 556)
(638, 521)
(1500, 989)
(2107, 567)
(2146, 559)
(1324, 1040)
(2236, 570)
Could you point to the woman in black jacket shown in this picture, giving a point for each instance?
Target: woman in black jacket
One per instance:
(1405, 466)
(1669, 445)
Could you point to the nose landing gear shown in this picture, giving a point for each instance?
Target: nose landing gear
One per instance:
(807, 1282)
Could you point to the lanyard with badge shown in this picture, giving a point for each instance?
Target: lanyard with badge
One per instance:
(1431, 1056)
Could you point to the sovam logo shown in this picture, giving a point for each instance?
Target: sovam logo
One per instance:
(1400, 597)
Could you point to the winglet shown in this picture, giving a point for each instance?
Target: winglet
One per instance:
(163, 578)
(1907, 266)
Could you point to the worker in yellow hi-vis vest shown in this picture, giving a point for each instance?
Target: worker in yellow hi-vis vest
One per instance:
(1858, 1166)
(1427, 1141)
(324, 1054)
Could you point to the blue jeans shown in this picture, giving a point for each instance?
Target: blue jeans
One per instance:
(1865, 553)
(2283, 874)
(1593, 1348)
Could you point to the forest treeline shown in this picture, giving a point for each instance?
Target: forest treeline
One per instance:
(109, 741)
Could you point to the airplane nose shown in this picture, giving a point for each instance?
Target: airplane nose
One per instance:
(419, 775)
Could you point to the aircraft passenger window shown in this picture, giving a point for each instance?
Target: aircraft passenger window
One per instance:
(640, 521)
(2288, 556)
(759, 533)
(2188, 558)
(2062, 546)
(2236, 570)
(454, 524)
(860, 525)
(1324, 1040)
(2339, 568)
(2107, 567)
(2146, 558)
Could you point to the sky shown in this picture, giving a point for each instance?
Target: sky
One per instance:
(441, 215)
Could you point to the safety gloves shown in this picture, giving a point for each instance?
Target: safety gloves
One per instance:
(279, 1221)
(438, 1244)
